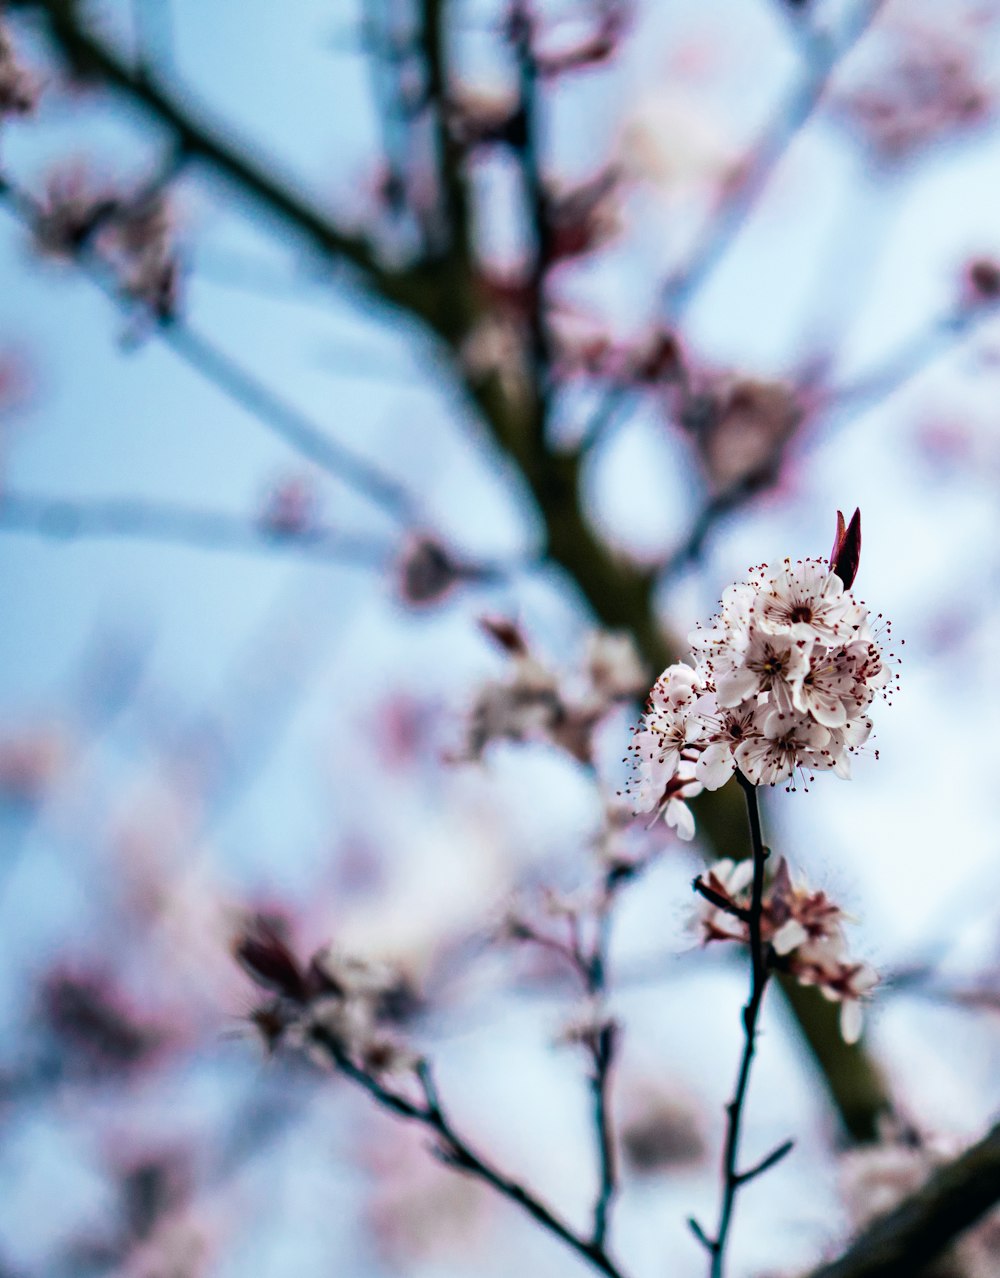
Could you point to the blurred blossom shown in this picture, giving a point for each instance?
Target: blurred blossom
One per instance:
(582, 218)
(534, 703)
(673, 141)
(31, 761)
(920, 82)
(661, 1128)
(418, 1210)
(426, 571)
(95, 1025)
(496, 345)
(15, 380)
(75, 202)
(135, 233)
(290, 507)
(336, 1003)
(741, 428)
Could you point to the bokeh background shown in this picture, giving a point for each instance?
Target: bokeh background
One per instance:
(230, 682)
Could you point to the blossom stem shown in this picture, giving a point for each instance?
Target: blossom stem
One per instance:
(603, 1053)
(759, 973)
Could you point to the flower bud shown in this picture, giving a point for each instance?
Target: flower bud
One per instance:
(845, 556)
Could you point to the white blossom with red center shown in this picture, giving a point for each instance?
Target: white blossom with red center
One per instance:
(780, 685)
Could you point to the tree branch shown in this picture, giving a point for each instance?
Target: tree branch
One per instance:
(216, 144)
(69, 520)
(456, 1152)
(901, 1243)
(788, 123)
(242, 386)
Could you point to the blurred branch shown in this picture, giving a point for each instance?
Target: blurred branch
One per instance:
(840, 405)
(903, 1242)
(741, 199)
(909, 360)
(71, 520)
(310, 441)
(521, 35)
(456, 1152)
(201, 353)
(217, 145)
(152, 23)
(432, 36)
(794, 113)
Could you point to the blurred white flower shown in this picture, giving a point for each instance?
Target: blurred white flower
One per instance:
(673, 141)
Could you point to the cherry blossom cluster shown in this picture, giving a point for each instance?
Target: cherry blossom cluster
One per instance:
(803, 928)
(781, 682)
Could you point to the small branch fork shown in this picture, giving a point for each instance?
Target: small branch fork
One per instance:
(456, 1152)
(589, 961)
(733, 1179)
(233, 379)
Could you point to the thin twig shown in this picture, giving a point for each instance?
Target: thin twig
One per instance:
(455, 1151)
(236, 381)
(602, 1048)
(732, 1178)
(719, 901)
(734, 210)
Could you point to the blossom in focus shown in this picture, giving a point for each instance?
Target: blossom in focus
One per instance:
(780, 682)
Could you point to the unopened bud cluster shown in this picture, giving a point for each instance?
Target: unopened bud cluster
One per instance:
(781, 682)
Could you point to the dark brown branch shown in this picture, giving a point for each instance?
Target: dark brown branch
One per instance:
(901, 1243)
(455, 1151)
(432, 37)
(719, 901)
(215, 144)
